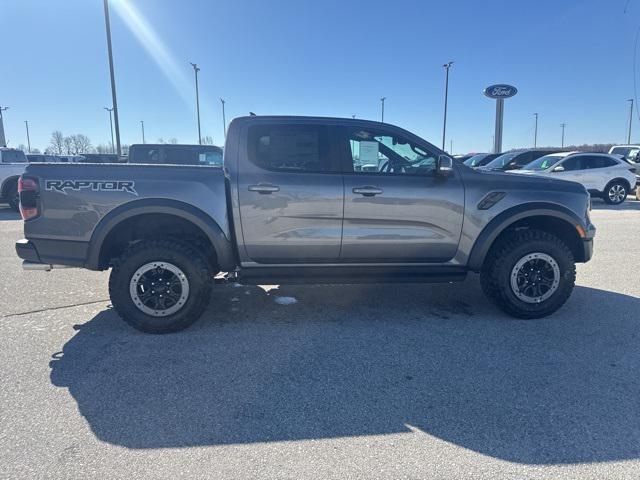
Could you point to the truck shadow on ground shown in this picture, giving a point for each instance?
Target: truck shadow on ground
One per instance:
(369, 360)
(629, 204)
(8, 213)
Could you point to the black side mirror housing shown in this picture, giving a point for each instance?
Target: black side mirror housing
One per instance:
(445, 166)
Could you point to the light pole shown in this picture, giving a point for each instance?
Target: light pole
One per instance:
(142, 125)
(224, 120)
(113, 79)
(563, 125)
(3, 140)
(110, 110)
(450, 147)
(382, 102)
(26, 124)
(535, 132)
(446, 66)
(196, 69)
(630, 120)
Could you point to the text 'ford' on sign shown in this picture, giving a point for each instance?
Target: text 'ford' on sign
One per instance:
(500, 91)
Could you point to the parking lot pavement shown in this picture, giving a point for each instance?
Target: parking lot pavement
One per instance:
(375, 381)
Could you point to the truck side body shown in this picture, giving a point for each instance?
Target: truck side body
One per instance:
(356, 201)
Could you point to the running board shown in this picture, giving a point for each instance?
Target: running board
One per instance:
(350, 275)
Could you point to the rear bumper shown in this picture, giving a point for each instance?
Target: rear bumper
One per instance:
(53, 252)
(26, 250)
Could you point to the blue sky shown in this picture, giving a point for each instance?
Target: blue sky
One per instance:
(572, 62)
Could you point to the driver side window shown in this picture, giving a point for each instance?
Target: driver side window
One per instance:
(384, 154)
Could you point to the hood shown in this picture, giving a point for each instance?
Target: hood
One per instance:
(528, 179)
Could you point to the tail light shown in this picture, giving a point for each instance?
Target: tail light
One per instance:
(29, 189)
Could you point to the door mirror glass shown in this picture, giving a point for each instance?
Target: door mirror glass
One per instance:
(559, 168)
(445, 166)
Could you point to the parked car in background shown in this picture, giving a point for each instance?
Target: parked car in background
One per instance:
(630, 152)
(98, 158)
(70, 158)
(480, 159)
(42, 158)
(515, 160)
(463, 158)
(12, 163)
(603, 175)
(175, 154)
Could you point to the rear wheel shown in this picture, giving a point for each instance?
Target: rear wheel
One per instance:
(615, 192)
(13, 197)
(161, 286)
(529, 274)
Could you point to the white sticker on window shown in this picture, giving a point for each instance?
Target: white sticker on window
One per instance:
(369, 152)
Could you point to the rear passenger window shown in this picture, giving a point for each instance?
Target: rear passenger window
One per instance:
(600, 162)
(291, 148)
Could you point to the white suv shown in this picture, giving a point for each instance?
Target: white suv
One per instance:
(606, 176)
(12, 163)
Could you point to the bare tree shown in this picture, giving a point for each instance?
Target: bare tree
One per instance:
(173, 141)
(68, 145)
(57, 143)
(161, 140)
(81, 144)
(103, 148)
(207, 140)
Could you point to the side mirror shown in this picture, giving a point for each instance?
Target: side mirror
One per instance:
(445, 166)
(559, 168)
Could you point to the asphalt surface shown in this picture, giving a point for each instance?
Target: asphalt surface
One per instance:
(329, 382)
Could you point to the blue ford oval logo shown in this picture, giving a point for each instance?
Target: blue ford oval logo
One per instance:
(500, 91)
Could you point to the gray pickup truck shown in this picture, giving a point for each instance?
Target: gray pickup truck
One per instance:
(305, 200)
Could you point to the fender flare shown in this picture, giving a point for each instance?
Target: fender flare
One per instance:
(507, 218)
(222, 245)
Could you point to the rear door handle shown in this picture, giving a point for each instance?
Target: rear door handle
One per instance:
(367, 191)
(264, 188)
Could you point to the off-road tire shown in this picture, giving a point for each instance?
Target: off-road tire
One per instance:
(189, 260)
(497, 268)
(612, 184)
(13, 198)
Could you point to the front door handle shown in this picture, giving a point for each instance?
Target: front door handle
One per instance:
(367, 191)
(264, 188)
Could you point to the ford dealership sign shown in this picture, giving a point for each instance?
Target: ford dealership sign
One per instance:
(500, 91)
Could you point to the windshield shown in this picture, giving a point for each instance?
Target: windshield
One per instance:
(543, 163)
(502, 160)
(476, 160)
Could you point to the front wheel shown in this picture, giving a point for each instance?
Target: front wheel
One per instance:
(615, 193)
(160, 286)
(529, 274)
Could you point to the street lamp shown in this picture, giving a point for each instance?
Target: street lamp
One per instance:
(26, 124)
(535, 132)
(224, 120)
(446, 66)
(142, 125)
(196, 69)
(113, 79)
(3, 140)
(111, 111)
(630, 120)
(563, 125)
(382, 101)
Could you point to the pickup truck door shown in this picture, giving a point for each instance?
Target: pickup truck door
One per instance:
(396, 209)
(291, 194)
